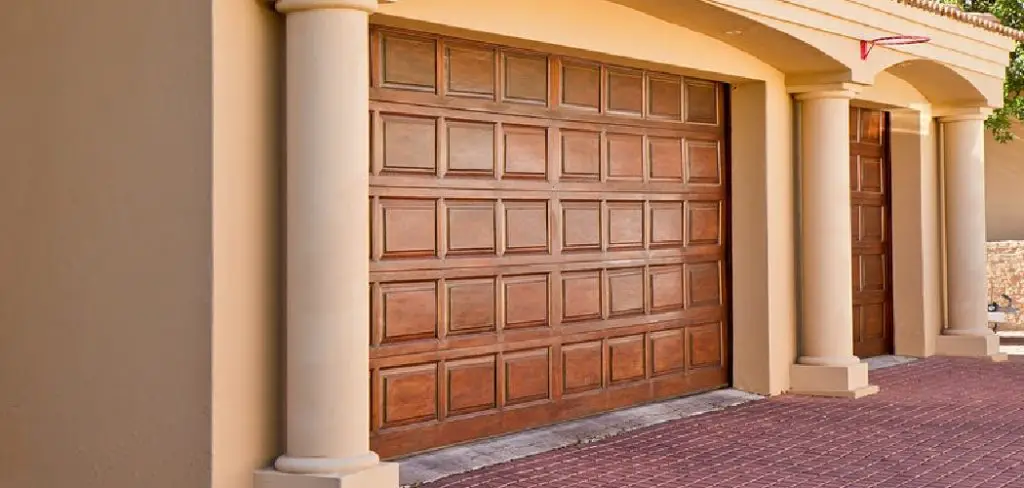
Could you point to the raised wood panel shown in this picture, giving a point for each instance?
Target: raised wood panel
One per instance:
(581, 155)
(581, 85)
(581, 225)
(526, 226)
(703, 285)
(666, 155)
(581, 296)
(409, 310)
(701, 102)
(471, 226)
(472, 385)
(409, 394)
(704, 165)
(581, 367)
(527, 376)
(526, 152)
(625, 225)
(626, 292)
(471, 148)
(526, 301)
(704, 223)
(471, 306)
(409, 144)
(666, 288)
(666, 97)
(668, 351)
(870, 225)
(626, 359)
(625, 91)
(666, 224)
(470, 71)
(548, 238)
(625, 156)
(705, 343)
(409, 227)
(526, 78)
(409, 62)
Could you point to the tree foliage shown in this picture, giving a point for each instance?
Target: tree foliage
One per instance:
(1011, 13)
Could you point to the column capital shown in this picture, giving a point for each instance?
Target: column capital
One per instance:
(289, 6)
(960, 114)
(830, 90)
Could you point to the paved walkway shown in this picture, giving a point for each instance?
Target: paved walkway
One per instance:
(938, 423)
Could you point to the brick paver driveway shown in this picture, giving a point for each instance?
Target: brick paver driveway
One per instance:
(937, 423)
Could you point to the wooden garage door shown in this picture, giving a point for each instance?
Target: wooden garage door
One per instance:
(548, 239)
(872, 241)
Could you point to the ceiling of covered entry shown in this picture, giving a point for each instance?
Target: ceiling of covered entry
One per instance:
(783, 51)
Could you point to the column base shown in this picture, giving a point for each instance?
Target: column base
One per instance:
(975, 346)
(850, 381)
(381, 475)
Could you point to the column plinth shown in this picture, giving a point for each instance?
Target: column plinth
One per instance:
(827, 365)
(967, 332)
(327, 199)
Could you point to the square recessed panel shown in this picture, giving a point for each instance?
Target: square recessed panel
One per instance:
(526, 78)
(526, 152)
(410, 144)
(526, 226)
(470, 71)
(666, 224)
(626, 360)
(581, 225)
(701, 102)
(527, 376)
(581, 367)
(626, 291)
(668, 352)
(581, 295)
(409, 227)
(666, 154)
(703, 285)
(471, 306)
(625, 156)
(470, 148)
(705, 223)
(471, 227)
(526, 301)
(705, 343)
(408, 311)
(410, 394)
(408, 62)
(666, 288)
(625, 91)
(472, 385)
(665, 97)
(704, 165)
(872, 177)
(625, 225)
(581, 85)
(581, 155)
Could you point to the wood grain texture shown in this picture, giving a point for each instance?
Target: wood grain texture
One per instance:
(549, 239)
(870, 195)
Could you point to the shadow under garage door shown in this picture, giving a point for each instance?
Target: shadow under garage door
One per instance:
(548, 239)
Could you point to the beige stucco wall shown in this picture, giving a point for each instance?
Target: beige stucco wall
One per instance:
(248, 107)
(1004, 185)
(105, 219)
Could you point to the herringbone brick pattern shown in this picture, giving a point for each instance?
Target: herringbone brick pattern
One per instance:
(938, 423)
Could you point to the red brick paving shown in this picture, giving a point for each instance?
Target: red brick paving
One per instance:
(938, 423)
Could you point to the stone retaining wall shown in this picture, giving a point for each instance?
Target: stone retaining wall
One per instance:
(1006, 275)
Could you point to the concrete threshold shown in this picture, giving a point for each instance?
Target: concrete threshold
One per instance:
(434, 465)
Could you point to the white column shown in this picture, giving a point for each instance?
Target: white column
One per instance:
(963, 142)
(826, 365)
(327, 366)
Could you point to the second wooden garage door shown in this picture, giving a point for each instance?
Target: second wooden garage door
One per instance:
(548, 239)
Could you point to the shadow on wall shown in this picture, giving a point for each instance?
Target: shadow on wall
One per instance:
(1006, 277)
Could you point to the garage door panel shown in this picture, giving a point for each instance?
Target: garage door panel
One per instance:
(547, 239)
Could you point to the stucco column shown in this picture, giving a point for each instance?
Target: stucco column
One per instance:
(327, 366)
(826, 365)
(963, 143)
